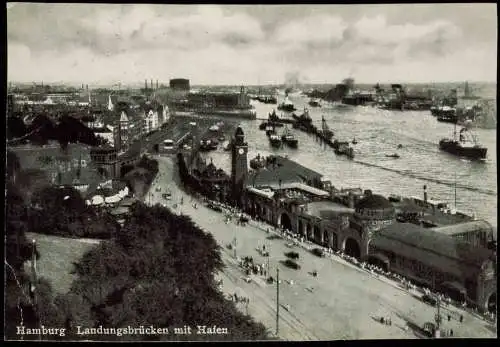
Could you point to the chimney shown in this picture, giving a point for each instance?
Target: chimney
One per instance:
(156, 84)
(425, 193)
(146, 84)
(151, 83)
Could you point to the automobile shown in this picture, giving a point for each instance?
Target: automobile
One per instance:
(429, 300)
(292, 255)
(291, 264)
(248, 279)
(318, 252)
(290, 245)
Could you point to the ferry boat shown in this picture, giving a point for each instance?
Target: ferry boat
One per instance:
(289, 139)
(275, 140)
(343, 148)
(325, 130)
(466, 145)
(258, 162)
(445, 114)
(287, 106)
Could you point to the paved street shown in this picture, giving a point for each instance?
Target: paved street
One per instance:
(342, 302)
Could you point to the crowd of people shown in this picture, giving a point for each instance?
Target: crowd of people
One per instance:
(232, 213)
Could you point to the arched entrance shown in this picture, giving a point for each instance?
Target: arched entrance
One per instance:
(308, 231)
(379, 260)
(351, 248)
(285, 221)
(491, 304)
(326, 238)
(334, 241)
(317, 234)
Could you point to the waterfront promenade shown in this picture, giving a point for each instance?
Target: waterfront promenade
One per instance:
(343, 302)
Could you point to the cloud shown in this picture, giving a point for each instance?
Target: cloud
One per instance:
(217, 44)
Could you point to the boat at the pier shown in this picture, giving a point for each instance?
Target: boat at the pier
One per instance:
(343, 148)
(466, 145)
(208, 145)
(289, 139)
(275, 140)
(325, 130)
(286, 106)
(258, 162)
(445, 114)
(394, 155)
(270, 129)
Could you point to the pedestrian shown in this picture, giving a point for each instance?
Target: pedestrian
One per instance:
(451, 332)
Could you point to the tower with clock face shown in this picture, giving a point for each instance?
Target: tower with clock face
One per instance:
(239, 162)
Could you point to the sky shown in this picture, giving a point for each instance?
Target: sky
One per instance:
(251, 44)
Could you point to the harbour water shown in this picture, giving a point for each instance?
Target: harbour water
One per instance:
(378, 132)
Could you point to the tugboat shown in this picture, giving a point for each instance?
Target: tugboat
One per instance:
(258, 162)
(327, 133)
(445, 114)
(274, 120)
(394, 155)
(286, 106)
(275, 140)
(465, 146)
(354, 141)
(343, 148)
(289, 139)
(208, 145)
(270, 130)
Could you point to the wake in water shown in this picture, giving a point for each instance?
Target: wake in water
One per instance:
(409, 173)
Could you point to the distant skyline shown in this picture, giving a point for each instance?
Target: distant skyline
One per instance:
(251, 44)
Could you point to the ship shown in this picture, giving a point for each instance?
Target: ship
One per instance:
(270, 130)
(258, 162)
(286, 106)
(466, 145)
(275, 140)
(445, 114)
(314, 103)
(289, 139)
(325, 130)
(343, 148)
(208, 145)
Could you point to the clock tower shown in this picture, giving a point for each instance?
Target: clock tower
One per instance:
(239, 162)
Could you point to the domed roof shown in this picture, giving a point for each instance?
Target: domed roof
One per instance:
(374, 202)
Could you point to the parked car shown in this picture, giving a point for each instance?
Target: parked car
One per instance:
(318, 252)
(429, 300)
(291, 264)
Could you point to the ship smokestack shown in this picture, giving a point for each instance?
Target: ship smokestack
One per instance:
(425, 193)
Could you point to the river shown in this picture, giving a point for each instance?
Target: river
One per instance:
(378, 133)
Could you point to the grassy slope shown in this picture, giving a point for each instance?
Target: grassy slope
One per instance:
(57, 255)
